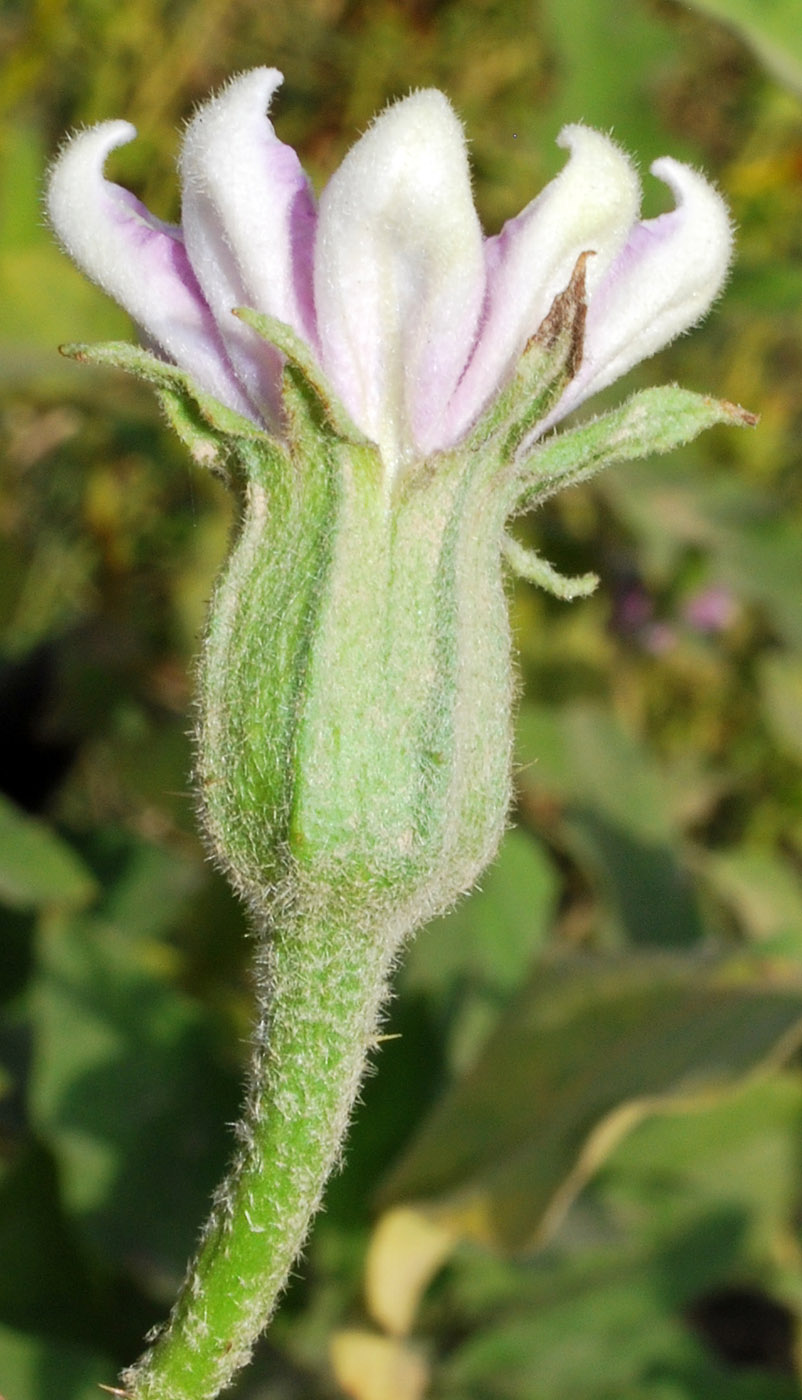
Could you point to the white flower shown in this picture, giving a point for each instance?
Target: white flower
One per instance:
(415, 317)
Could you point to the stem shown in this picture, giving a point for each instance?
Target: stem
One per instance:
(321, 989)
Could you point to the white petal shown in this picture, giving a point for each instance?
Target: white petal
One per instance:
(137, 259)
(664, 281)
(399, 274)
(590, 205)
(248, 217)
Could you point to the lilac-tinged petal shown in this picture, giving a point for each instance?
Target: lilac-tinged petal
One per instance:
(591, 205)
(137, 259)
(399, 274)
(664, 281)
(248, 217)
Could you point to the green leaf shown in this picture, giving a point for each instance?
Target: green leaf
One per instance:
(594, 49)
(617, 820)
(42, 295)
(753, 545)
(126, 1084)
(763, 890)
(781, 683)
(683, 1207)
(44, 1282)
(588, 1049)
(469, 963)
(770, 27)
(36, 866)
(37, 1367)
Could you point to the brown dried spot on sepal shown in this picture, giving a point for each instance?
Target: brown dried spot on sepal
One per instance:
(548, 362)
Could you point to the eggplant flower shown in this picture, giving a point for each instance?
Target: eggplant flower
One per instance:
(414, 318)
(376, 379)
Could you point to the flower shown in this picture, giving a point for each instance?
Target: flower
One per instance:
(414, 317)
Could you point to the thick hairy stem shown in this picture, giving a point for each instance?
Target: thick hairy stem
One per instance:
(322, 988)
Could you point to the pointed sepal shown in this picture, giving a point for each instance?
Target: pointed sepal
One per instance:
(210, 429)
(549, 362)
(302, 374)
(529, 565)
(651, 421)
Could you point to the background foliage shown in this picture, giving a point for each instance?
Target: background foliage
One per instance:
(576, 1174)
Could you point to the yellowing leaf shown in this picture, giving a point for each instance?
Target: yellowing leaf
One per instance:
(369, 1367)
(590, 1047)
(406, 1250)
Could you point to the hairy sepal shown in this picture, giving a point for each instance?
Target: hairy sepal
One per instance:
(356, 687)
(547, 364)
(651, 421)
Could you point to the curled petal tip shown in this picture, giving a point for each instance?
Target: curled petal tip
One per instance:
(254, 87)
(80, 163)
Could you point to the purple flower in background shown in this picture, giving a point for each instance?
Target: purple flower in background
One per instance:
(415, 317)
(711, 610)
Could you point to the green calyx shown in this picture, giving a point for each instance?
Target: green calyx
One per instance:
(356, 680)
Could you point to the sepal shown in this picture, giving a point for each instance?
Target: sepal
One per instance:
(528, 564)
(211, 430)
(651, 421)
(550, 360)
(302, 372)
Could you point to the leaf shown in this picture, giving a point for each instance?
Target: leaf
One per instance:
(44, 1282)
(594, 58)
(762, 889)
(368, 1367)
(770, 27)
(127, 1087)
(469, 963)
(754, 547)
(43, 296)
(781, 683)
(36, 1367)
(685, 1205)
(406, 1250)
(618, 818)
(587, 1050)
(36, 867)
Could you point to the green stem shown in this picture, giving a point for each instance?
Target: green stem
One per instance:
(322, 989)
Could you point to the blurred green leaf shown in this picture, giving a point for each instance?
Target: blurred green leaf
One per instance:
(44, 1282)
(593, 48)
(127, 1083)
(762, 889)
(470, 962)
(753, 546)
(618, 818)
(35, 1367)
(688, 1206)
(770, 27)
(45, 300)
(781, 681)
(36, 866)
(589, 1047)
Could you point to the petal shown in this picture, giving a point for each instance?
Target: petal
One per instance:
(590, 205)
(664, 281)
(137, 259)
(399, 274)
(248, 217)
